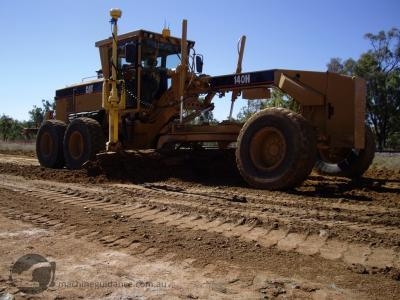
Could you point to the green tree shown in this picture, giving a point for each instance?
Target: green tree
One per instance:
(37, 114)
(209, 117)
(252, 107)
(278, 99)
(380, 66)
(6, 124)
(16, 130)
(281, 99)
(10, 129)
(337, 65)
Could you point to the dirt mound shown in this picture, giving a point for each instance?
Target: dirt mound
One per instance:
(213, 167)
(38, 172)
(207, 167)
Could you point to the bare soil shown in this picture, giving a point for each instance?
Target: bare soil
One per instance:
(186, 226)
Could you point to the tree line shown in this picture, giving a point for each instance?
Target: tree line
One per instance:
(12, 129)
(380, 67)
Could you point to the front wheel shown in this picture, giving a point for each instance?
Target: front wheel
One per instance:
(83, 139)
(347, 162)
(276, 149)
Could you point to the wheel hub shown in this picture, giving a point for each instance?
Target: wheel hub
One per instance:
(46, 144)
(76, 145)
(267, 148)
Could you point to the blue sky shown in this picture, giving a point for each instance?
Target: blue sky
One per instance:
(47, 45)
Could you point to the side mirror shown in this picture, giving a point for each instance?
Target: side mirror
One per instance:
(199, 63)
(130, 53)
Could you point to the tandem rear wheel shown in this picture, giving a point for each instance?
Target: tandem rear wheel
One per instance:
(83, 139)
(58, 145)
(49, 144)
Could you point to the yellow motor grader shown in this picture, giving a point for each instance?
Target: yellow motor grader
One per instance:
(151, 89)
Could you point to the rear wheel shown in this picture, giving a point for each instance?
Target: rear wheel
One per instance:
(347, 162)
(276, 149)
(49, 144)
(83, 139)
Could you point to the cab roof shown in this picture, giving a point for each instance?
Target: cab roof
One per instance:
(144, 34)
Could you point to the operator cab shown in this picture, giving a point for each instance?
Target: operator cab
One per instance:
(144, 59)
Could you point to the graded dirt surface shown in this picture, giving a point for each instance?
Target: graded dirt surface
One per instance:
(147, 226)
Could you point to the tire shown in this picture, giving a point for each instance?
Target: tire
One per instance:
(83, 139)
(49, 144)
(353, 163)
(276, 149)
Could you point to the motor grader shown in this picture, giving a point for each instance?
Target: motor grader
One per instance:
(151, 90)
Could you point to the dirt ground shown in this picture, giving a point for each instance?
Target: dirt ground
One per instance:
(151, 226)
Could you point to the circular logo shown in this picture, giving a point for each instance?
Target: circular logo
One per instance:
(32, 273)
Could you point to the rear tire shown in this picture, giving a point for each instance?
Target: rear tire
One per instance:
(276, 149)
(49, 144)
(351, 165)
(83, 139)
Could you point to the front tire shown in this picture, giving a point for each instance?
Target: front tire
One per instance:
(276, 149)
(83, 139)
(49, 144)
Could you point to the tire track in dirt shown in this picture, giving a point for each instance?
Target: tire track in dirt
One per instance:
(152, 206)
(225, 281)
(278, 203)
(344, 224)
(20, 160)
(373, 216)
(222, 281)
